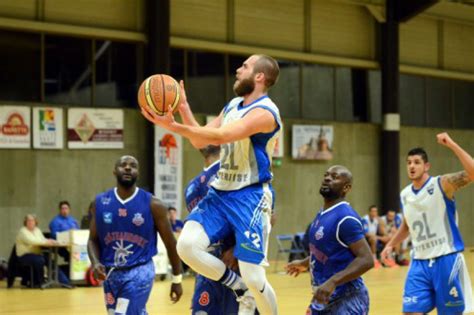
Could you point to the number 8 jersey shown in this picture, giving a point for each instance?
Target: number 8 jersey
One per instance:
(247, 161)
(432, 219)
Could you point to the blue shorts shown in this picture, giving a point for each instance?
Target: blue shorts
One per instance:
(127, 290)
(436, 283)
(352, 302)
(244, 213)
(213, 298)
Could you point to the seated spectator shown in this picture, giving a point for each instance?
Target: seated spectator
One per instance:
(392, 222)
(28, 250)
(375, 234)
(63, 222)
(176, 224)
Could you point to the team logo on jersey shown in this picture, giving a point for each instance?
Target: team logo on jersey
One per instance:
(190, 190)
(319, 233)
(430, 189)
(203, 178)
(107, 216)
(204, 299)
(121, 253)
(138, 219)
(122, 212)
(105, 200)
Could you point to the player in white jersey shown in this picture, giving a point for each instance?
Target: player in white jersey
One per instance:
(438, 276)
(240, 199)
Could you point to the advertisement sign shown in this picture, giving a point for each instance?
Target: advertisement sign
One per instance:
(15, 127)
(312, 142)
(90, 128)
(47, 128)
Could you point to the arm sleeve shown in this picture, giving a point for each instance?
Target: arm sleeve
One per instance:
(350, 230)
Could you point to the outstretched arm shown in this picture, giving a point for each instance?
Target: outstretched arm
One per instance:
(256, 121)
(162, 224)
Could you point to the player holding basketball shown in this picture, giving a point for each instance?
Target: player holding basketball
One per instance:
(339, 251)
(122, 242)
(240, 199)
(438, 276)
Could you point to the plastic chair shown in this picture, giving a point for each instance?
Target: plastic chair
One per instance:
(287, 245)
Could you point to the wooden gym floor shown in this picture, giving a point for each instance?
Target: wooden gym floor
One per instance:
(385, 288)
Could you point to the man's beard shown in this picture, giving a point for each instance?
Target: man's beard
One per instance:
(244, 87)
(328, 194)
(127, 183)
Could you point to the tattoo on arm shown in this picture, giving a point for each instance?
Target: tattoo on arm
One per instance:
(458, 180)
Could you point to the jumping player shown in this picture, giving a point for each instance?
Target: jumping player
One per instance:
(438, 276)
(240, 199)
(123, 240)
(339, 251)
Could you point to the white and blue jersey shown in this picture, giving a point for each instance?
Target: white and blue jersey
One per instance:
(438, 276)
(371, 226)
(248, 161)
(125, 228)
(330, 235)
(432, 220)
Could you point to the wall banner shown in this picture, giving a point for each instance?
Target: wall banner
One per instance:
(15, 127)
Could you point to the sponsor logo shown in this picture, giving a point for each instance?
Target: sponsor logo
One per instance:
(455, 303)
(138, 219)
(203, 178)
(204, 299)
(84, 128)
(319, 233)
(410, 299)
(107, 216)
(105, 200)
(15, 126)
(122, 212)
(251, 248)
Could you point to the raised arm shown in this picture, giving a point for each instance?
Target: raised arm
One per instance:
(93, 247)
(162, 224)
(455, 181)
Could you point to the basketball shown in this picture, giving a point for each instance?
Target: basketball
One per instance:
(157, 92)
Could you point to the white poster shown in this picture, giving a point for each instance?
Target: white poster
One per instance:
(90, 128)
(15, 127)
(312, 142)
(48, 128)
(169, 168)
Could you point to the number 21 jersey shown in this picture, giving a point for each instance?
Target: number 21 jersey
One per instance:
(432, 219)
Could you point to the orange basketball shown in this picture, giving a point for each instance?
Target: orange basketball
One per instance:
(158, 92)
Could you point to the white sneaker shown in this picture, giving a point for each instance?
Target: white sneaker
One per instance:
(247, 305)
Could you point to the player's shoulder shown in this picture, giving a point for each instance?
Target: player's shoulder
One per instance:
(233, 103)
(406, 190)
(345, 210)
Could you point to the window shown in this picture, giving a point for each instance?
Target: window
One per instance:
(20, 55)
(68, 71)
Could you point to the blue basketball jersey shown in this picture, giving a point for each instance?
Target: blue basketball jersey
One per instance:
(199, 185)
(126, 229)
(330, 235)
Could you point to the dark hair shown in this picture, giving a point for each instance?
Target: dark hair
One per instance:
(172, 208)
(64, 202)
(372, 206)
(210, 150)
(269, 67)
(419, 151)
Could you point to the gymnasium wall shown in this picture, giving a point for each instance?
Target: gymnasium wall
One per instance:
(34, 181)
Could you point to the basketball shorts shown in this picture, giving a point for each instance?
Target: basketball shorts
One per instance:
(244, 213)
(127, 290)
(213, 298)
(353, 302)
(442, 282)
